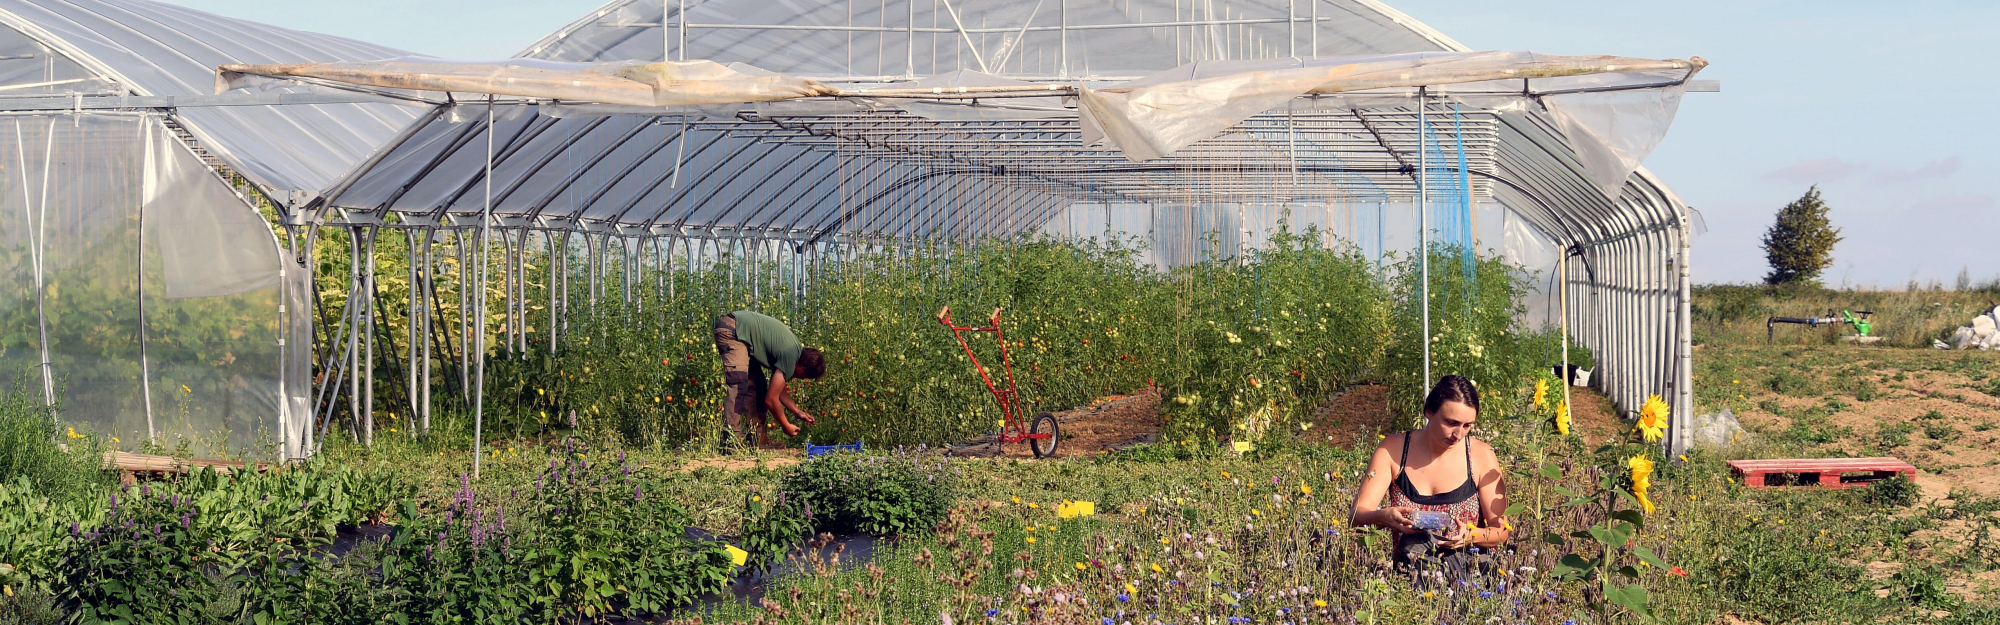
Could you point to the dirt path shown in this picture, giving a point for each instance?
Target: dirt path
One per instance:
(1110, 424)
(1361, 413)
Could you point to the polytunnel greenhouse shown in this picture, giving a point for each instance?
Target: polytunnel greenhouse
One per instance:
(656, 163)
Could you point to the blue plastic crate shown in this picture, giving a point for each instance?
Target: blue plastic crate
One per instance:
(815, 450)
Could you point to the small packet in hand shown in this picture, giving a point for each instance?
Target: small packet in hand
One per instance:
(1431, 520)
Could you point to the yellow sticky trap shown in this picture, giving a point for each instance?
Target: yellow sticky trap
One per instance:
(737, 556)
(1244, 447)
(1073, 509)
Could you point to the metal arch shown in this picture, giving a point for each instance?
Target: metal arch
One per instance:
(549, 156)
(584, 207)
(696, 209)
(619, 215)
(774, 201)
(812, 208)
(778, 199)
(734, 156)
(465, 135)
(515, 144)
(535, 208)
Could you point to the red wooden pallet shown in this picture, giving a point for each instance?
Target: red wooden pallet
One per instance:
(1824, 472)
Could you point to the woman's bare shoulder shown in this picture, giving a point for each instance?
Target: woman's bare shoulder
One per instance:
(1483, 453)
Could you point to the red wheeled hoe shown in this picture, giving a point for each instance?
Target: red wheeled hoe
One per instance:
(1041, 434)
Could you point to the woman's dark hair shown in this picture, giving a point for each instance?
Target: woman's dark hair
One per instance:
(1452, 388)
(812, 364)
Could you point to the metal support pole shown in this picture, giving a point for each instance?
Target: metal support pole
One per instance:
(145, 363)
(1424, 231)
(429, 295)
(485, 242)
(354, 320)
(38, 235)
(367, 369)
(415, 296)
(1562, 273)
(1683, 413)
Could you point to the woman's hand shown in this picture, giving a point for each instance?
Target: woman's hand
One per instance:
(1398, 519)
(1460, 537)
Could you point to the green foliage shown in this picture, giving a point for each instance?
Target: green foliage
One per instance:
(143, 563)
(1923, 586)
(29, 432)
(1895, 492)
(603, 543)
(1475, 332)
(881, 495)
(1893, 435)
(1800, 243)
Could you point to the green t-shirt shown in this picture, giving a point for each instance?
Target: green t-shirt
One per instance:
(772, 345)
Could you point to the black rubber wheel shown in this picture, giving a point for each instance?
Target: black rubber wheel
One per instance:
(1044, 447)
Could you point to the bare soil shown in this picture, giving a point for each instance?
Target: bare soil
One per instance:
(1108, 424)
(1942, 402)
(1360, 415)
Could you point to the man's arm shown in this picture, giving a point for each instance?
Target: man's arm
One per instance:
(779, 398)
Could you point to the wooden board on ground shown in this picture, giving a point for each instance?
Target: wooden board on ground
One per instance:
(1822, 472)
(130, 465)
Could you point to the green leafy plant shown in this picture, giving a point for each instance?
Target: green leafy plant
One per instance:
(1608, 552)
(1895, 492)
(1799, 244)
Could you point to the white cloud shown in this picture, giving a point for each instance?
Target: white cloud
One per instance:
(1817, 171)
(1938, 168)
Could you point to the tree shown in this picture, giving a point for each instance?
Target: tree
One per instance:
(1799, 244)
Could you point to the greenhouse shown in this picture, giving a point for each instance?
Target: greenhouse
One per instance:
(654, 164)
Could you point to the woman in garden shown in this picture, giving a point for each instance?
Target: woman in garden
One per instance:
(1438, 469)
(759, 356)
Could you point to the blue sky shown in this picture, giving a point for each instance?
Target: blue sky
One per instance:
(1878, 103)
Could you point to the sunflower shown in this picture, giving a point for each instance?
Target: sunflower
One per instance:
(1642, 476)
(1562, 418)
(1541, 393)
(1652, 418)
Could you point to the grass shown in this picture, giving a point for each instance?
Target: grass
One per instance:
(1736, 314)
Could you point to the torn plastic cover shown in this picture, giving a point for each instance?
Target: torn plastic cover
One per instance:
(1164, 114)
(633, 83)
(1613, 131)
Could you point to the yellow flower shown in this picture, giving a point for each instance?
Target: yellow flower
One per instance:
(1031, 540)
(1017, 499)
(1653, 418)
(1319, 603)
(185, 389)
(114, 439)
(1156, 568)
(1256, 512)
(1130, 588)
(1541, 393)
(1081, 566)
(1562, 418)
(1304, 489)
(1642, 475)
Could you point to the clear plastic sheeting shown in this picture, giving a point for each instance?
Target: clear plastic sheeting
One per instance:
(1160, 116)
(1613, 131)
(136, 47)
(109, 213)
(630, 83)
(978, 150)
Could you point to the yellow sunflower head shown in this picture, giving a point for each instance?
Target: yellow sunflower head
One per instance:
(1541, 393)
(1653, 418)
(1562, 418)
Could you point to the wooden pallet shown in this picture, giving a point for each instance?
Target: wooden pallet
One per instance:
(1822, 472)
(131, 465)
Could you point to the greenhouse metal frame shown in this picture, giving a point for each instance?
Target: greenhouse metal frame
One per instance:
(941, 136)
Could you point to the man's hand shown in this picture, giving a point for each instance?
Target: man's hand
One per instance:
(806, 417)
